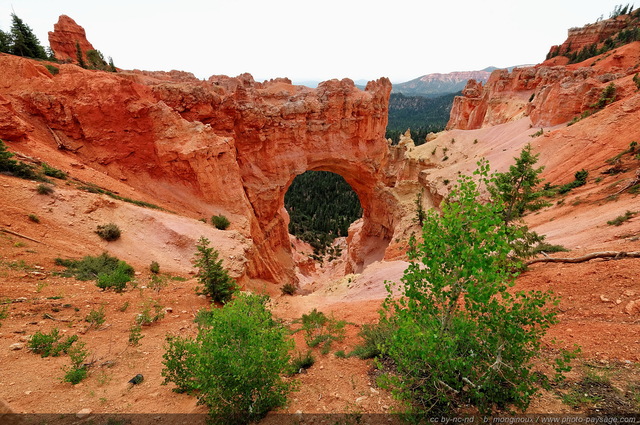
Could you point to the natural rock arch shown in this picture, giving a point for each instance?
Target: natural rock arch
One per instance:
(335, 128)
(230, 143)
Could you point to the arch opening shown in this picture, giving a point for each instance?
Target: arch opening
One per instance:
(321, 206)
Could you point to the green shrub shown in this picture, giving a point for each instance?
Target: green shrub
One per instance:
(301, 362)
(108, 272)
(135, 335)
(50, 344)
(288, 289)
(628, 215)
(4, 313)
(220, 222)
(117, 279)
(459, 335)
(89, 267)
(44, 189)
(53, 70)
(374, 337)
(215, 280)
(235, 363)
(580, 180)
(158, 282)
(320, 330)
(78, 371)
(34, 218)
(14, 167)
(146, 317)
(154, 267)
(53, 172)
(96, 317)
(109, 232)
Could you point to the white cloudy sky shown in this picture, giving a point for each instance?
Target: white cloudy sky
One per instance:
(316, 40)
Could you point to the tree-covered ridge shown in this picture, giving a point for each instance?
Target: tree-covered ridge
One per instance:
(422, 115)
(321, 206)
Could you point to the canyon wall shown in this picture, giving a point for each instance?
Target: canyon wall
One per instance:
(232, 143)
(548, 94)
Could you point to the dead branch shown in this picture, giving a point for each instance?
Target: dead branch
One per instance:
(48, 316)
(615, 255)
(11, 232)
(633, 182)
(61, 145)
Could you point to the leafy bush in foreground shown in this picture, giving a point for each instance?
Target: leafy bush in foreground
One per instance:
(235, 363)
(459, 335)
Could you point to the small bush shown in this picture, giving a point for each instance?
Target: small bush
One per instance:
(44, 189)
(77, 372)
(34, 218)
(135, 335)
(374, 338)
(548, 248)
(50, 344)
(109, 232)
(89, 267)
(117, 279)
(108, 272)
(146, 317)
(154, 267)
(14, 167)
(220, 222)
(53, 172)
(288, 289)
(628, 215)
(302, 362)
(96, 317)
(53, 70)
(215, 280)
(4, 313)
(320, 330)
(235, 362)
(158, 282)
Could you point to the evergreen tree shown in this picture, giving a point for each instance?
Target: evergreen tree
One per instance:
(5, 42)
(517, 188)
(214, 278)
(80, 56)
(24, 42)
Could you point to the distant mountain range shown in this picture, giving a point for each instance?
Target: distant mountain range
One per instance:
(430, 85)
(435, 85)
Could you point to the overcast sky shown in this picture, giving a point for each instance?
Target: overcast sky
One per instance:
(315, 40)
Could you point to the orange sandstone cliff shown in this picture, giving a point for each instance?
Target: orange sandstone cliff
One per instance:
(227, 146)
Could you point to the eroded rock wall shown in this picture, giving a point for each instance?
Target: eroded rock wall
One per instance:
(549, 95)
(229, 142)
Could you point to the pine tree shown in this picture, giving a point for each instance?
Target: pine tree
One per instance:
(212, 276)
(517, 188)
(5, 42)
(24, 42)
(80, 56)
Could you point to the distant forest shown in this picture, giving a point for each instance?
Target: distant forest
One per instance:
(420, 114)
(321, 206)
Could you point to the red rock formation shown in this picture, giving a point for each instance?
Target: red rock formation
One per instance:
(549, 95)
(229, 142)
(64, 37)
(581, 37)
